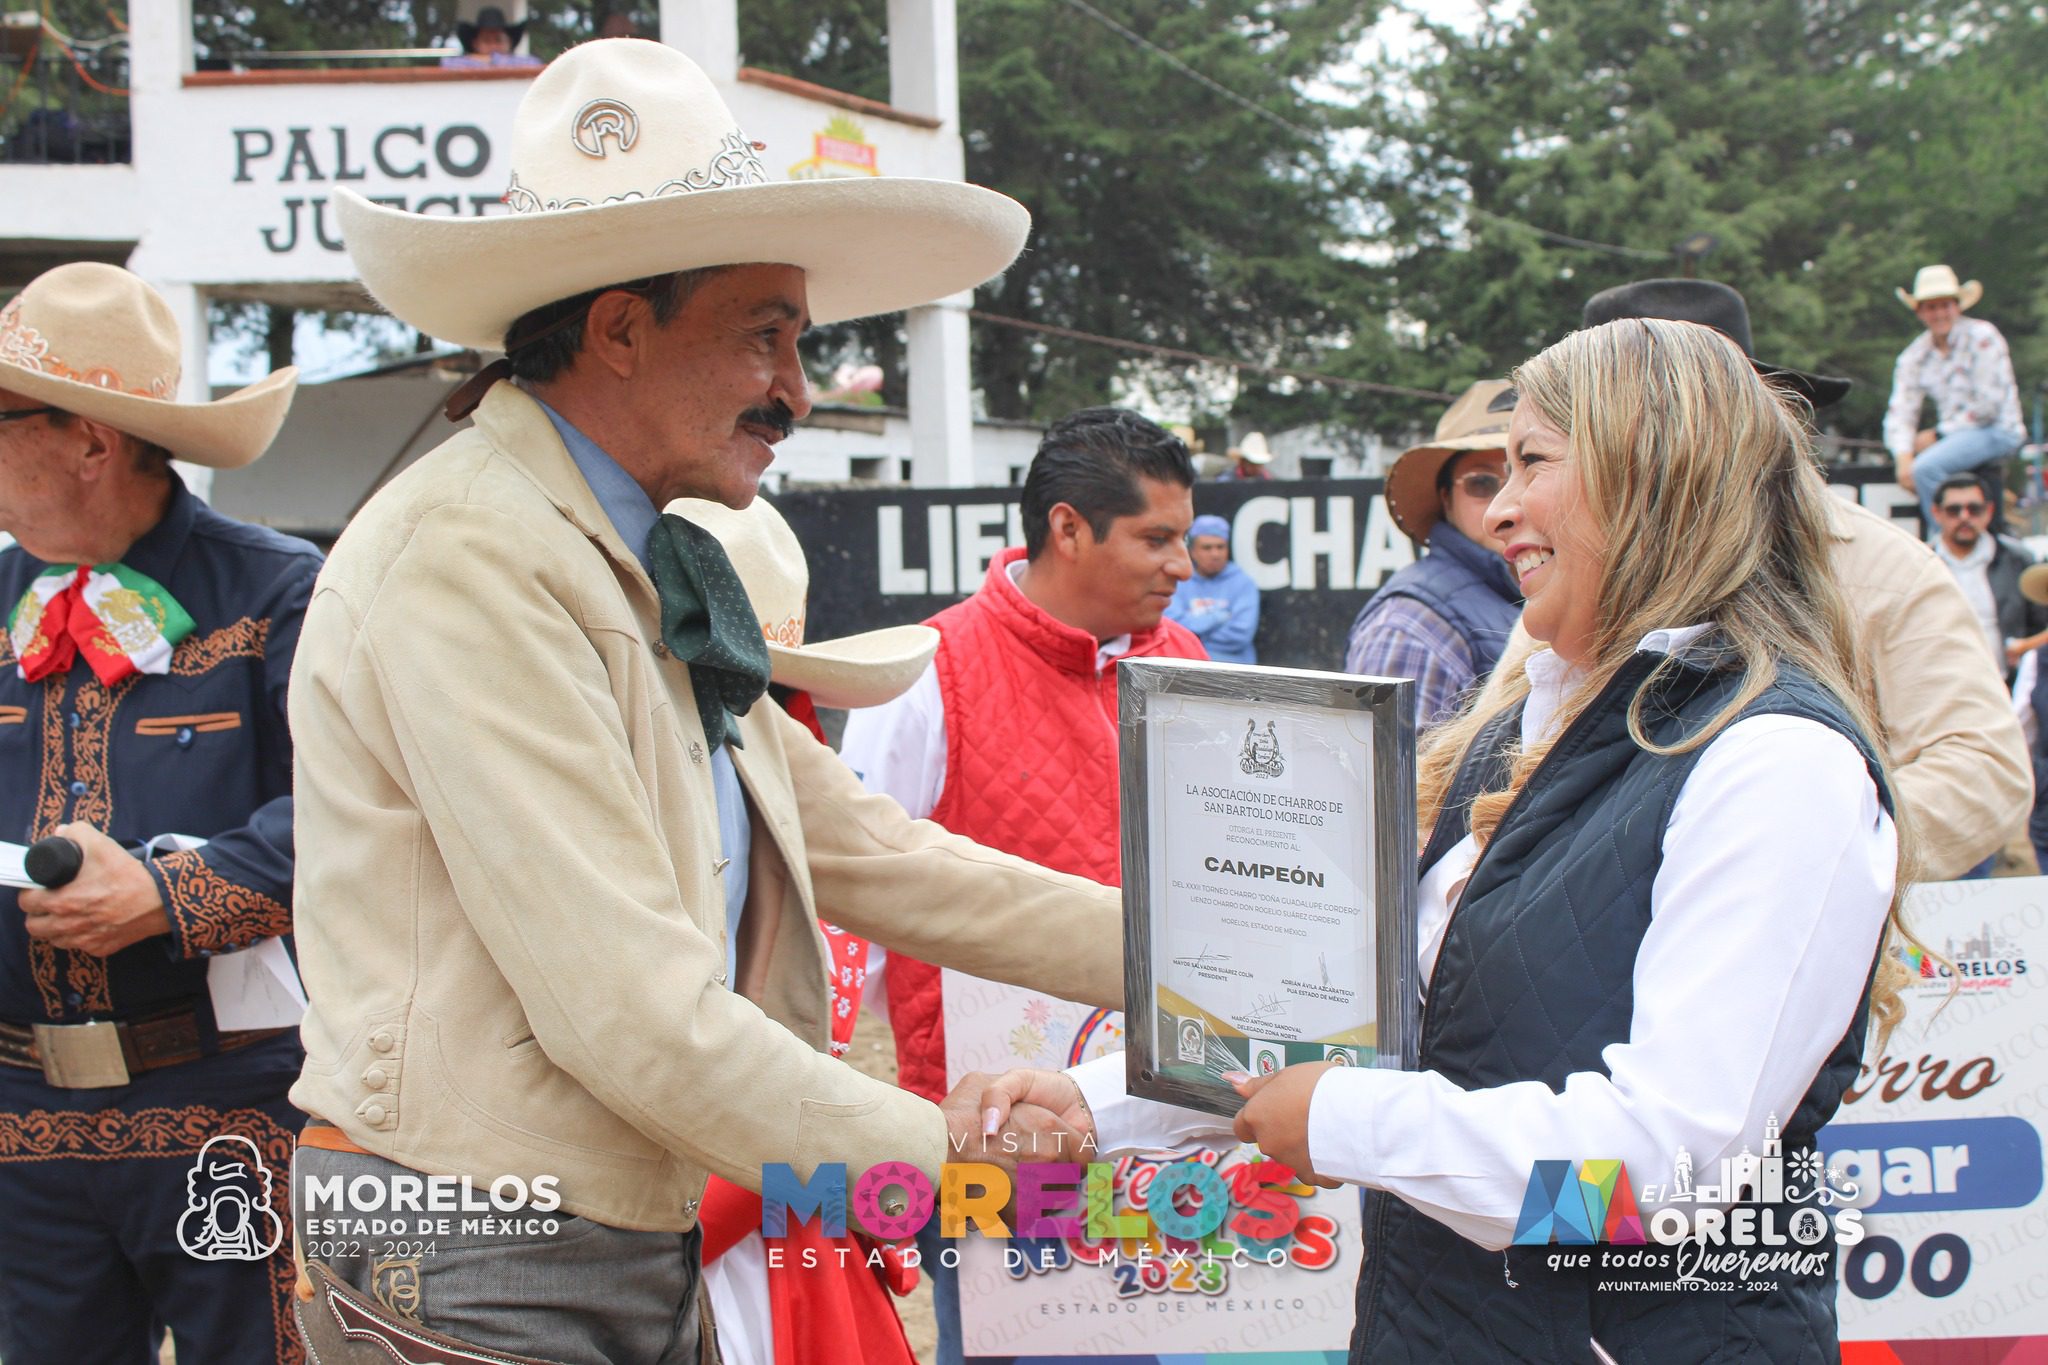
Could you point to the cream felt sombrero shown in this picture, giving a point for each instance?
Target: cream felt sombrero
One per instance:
(855, 670)
(97, 341)
(1477, 421)
(1939, 282)
(625, 164)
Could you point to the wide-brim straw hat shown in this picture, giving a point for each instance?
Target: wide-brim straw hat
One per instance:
(1477, 421)
(97, 341)
(1711, 304)
(1939, 282)
(868, 669)
(2034, 583)
(626, 164)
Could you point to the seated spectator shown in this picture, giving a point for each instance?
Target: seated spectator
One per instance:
(490, 41)
(1220, 603)
(1963, 364)
(1987, 568)
(1443, 619)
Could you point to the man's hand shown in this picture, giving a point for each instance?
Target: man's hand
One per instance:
(1008, 1136)
(111, 903)
(1904, 473)
(1275, 1115)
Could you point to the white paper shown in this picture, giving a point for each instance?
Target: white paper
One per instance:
(255, 988)
(12, 870)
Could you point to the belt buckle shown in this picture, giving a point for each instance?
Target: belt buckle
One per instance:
(81, 1056)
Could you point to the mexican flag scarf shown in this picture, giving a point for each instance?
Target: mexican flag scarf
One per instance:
(122, 621)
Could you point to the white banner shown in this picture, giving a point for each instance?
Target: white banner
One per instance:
(1094, 1298)
(1942, 1137)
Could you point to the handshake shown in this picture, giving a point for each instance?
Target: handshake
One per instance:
(1017, 1118)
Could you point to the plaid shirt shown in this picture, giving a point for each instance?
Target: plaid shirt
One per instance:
(1404, 639)
(1972, 386)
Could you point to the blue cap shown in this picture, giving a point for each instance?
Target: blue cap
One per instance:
(1209, 526)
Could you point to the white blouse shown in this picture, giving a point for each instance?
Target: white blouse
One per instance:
(1766, 911)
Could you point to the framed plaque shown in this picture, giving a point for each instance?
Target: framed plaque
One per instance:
(1269, 873)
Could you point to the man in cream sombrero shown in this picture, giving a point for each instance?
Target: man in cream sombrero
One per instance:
(559, 913)
(142, 695)
(1962, 364)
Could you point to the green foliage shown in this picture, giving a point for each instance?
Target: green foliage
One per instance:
(1162, 211)
(1832, 147)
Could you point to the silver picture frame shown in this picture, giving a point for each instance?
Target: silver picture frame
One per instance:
(1268, 832)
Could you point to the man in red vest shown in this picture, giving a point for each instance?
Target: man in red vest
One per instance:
(1010, 736)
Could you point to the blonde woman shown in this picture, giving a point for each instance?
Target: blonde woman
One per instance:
(1660, 867)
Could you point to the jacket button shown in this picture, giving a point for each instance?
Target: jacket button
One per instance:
(373, 1114)
(79, 788)
(184, 736)
(689, 1208)
(660, 649)
(375, 1078)
(380, 1041)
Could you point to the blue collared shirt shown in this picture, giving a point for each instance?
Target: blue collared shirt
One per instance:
(633, 515)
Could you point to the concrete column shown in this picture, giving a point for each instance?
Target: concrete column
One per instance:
(188, 304)
(924, 61)
(707, 32)
(941, 402)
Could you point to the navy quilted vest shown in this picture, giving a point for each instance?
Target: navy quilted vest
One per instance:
(1534, 979)
(1470, 587)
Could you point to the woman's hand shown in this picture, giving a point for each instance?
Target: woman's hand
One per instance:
(1275, 1115)
(1054, 1091)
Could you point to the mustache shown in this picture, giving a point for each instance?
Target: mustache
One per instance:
(775, 416)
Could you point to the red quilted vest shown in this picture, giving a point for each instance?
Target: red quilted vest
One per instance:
(1030, 765)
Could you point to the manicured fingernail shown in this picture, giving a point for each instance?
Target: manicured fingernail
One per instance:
(991, 1119)
(1236, 1077)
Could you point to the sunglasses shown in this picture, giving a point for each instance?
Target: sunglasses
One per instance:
(19, 413)
(1964, 509)
(1480, 483)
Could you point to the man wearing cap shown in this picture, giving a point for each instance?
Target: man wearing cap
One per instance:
(1010, 737)
(1218, 603)
(142, 696)
(1443, 619)
(1963, 365)
(1958, 761)
(552, 831)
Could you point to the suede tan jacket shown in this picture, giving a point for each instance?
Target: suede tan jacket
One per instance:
(508, 904)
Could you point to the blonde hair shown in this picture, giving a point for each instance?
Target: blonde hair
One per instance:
(1700, 479)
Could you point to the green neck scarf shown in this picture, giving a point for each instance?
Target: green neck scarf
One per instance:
(708, 623)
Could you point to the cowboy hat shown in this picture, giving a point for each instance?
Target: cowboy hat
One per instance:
(97, 341)
(1713, 305)
(2034, 583)
(1477, 421)
(1939, 282)
(626, 164)
(1254, 450)
(489, 17)
(855, 670)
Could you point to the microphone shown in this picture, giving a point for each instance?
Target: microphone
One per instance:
(53, 861)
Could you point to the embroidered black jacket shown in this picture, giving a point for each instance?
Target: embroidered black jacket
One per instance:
(202, 750)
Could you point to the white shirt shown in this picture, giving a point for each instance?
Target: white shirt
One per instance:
(1973, 576)
(1765, 914)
